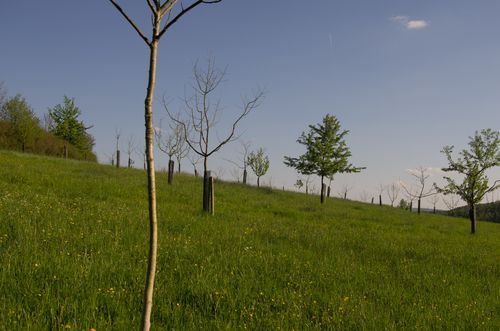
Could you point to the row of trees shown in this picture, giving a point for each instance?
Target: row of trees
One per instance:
(327, 154)
(60, 134)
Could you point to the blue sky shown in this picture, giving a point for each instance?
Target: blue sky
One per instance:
(406, 77)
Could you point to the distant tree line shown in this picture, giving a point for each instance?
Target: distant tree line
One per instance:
(60, 134)
(489, 212)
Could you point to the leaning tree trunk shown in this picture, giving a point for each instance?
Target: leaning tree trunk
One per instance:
(153, 222)
(472, 217)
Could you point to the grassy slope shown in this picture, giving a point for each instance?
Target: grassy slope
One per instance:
(73, 255)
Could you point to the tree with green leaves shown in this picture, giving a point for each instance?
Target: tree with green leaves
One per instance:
(326, 153)
(67, 126)
(25, 124)
(259, 163)
(482, 155)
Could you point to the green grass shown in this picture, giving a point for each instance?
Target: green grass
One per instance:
(73, 249)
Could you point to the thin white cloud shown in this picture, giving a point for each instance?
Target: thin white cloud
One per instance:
(410, 24)
(417, 24)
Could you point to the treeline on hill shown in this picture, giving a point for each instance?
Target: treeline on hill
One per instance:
(61, 135)
(489, 212)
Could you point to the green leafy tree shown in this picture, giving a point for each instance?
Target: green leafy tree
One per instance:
(326, 152)
(67, 126)
(482, 155)
(25, 124)
(259, 163)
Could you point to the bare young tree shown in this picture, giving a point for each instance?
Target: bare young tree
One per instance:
(421, 175)
(242, 163)
(435, 200)
(169, 143)
(202, 114)
(194, 159)
(142, 154)
(451, 202)
(393, 192)
(344, 191)
(182, 149)
(235, 174)
(130, 150)
(111, 158)
(117, 137)
(164, 14)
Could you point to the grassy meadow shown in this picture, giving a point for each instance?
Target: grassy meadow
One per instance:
(73, 250)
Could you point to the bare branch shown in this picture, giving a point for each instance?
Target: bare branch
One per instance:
(183, 12)
(136, 28)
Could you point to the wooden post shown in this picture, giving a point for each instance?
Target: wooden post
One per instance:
(206, 191)
(211, 190)
(117, 158)
(170, 174)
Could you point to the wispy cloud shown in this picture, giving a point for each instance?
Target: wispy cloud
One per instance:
(410, 24)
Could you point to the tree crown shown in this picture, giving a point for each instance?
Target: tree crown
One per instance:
(483, 154)
(326, 150)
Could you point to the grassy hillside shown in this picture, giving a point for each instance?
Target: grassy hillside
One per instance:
(73, 256)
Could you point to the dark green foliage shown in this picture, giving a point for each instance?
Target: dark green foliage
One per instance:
(483, 154)
(46, 144)
(24, 123)
(68, 127)
(326, 153)
(259, 163)
(489, 212)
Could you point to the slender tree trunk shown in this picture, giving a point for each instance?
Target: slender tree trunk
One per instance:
(244, 176)
(472, 217)
(434, 210)
(258, 181)
(117, 158)
(153, 222)
(323, 192)
(179, 165)
(411, 206)
(380, 199)
(418, 206)
(328, 192)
